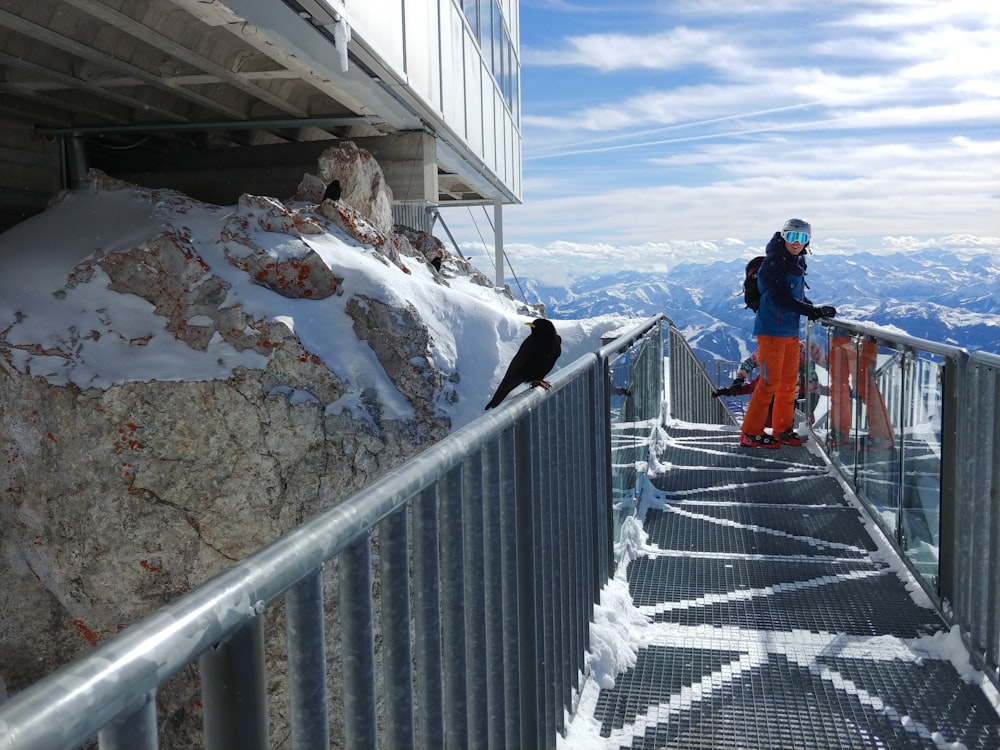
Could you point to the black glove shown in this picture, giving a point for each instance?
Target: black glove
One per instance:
(826, 311)
(733, 390)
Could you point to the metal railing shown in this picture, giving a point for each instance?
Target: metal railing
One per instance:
(914, 426)
(690, 386)
(492, 549)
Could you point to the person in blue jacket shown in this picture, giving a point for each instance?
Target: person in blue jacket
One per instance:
(783, 302)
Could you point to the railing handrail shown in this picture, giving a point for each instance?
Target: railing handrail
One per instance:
(987, 358)
(894, 339)
(117, 676)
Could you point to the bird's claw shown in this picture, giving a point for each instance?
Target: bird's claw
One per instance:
(543, 383)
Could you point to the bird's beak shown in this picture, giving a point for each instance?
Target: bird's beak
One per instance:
(530, 323)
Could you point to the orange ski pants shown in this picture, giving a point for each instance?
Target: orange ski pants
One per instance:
(779, 379)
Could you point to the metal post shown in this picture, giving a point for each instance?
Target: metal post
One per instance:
(397, 662)
(566, 615)
(604, 517)
(498, 238)
(427, 620)
(456, 713)
(493, 572)
(358, 646)
(509, 555)
(75, 165)
(475, 601)
(543, 502)
(955, 396)
(136, 731)
(439, 217)
(234, 693)
(905, 387)
(529, 656)
(307, 664)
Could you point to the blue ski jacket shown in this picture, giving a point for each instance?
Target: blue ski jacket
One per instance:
(782, 284)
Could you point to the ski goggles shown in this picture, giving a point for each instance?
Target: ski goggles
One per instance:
(793, 237)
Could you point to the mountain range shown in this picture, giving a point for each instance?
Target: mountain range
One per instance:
(937, 295)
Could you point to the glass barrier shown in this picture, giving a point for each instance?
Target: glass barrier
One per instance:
(626, 445)
(635, 398)
(920, 506)
(879, 415)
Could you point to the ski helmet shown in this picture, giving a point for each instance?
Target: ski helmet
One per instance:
(797, 225)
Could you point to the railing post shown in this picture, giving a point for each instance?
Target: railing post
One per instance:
(307, 664)
(544, 482)
(954, 376)
(561, 614)
(456, 697)
(427, 620)
(397, 661)
(495, 582)
(604, 512)
(475, 601)
(510, 548)
(528, 658)
(234, 694)
(358, 645)
(905, 386)
(137, 731)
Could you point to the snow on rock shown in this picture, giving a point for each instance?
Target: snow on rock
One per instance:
(182, 383)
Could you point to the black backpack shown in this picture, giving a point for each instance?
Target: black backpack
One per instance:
(751, 294)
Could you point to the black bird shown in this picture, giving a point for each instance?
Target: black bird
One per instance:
(533, 361)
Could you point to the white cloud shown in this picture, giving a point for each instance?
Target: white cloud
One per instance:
(684, 121)
(672, 49)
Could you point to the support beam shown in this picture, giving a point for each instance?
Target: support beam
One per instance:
(498, 237)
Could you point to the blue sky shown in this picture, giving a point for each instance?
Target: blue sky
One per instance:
(688, 123)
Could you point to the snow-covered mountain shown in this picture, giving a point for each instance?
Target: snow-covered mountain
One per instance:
(935, 294)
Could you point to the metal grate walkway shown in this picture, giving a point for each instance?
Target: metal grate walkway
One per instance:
(782, 623)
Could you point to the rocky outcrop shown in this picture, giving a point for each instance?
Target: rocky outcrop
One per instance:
(118, 498)
(361, 184)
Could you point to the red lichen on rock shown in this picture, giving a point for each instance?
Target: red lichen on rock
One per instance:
(86, 633)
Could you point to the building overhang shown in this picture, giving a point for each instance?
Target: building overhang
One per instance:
(155, 88)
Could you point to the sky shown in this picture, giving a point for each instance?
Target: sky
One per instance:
(672, 127)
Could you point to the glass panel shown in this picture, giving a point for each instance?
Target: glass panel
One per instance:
(877, 452)
(486, 30)
(471, 10)
(473, 98)
(515, 93)
(453, 71)
(636, 397)
(625, 444)
(499, 37)
(920, 418)
(879, 415)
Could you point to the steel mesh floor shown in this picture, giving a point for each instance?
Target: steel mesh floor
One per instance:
(778, 624)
